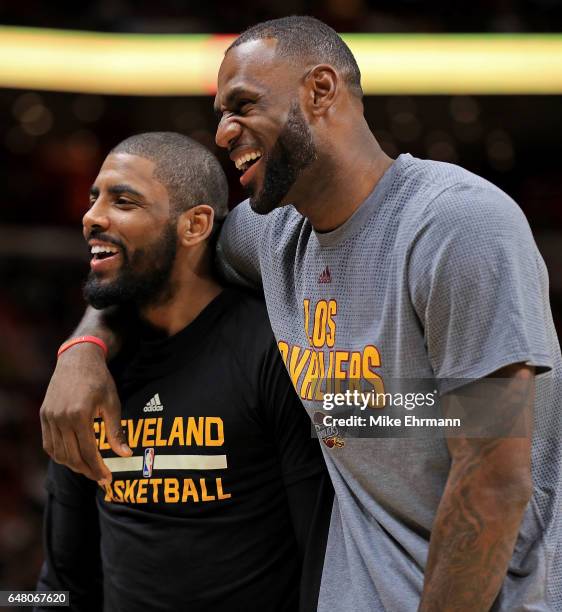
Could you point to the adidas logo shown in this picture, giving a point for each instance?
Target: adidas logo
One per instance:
(154, 404)
(325, 276)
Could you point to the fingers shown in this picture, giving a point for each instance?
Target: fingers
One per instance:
(80, 385)
(59, 448)
(74, 458)
(46, 433)
(74, 444)
(114, 430)
(53, 443)
(90, 455)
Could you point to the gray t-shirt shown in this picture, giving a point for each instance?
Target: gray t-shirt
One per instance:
(436, 275)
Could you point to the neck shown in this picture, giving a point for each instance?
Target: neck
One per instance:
(193, 288)
(343, 180)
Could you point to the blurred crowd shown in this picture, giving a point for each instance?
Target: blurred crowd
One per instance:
(51, 145)
(343, 15)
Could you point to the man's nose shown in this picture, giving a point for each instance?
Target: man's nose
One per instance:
(228, 132)
(97, 217)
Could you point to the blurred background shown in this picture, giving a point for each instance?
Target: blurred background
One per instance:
(51, 146)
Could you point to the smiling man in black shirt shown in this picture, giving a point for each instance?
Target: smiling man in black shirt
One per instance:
(223, 503)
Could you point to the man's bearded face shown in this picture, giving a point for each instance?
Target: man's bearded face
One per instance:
(143, 279)
(292, 153)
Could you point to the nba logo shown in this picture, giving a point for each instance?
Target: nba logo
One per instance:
(148, 462)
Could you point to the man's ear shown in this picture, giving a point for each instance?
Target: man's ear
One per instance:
(195, 225)
(322, 85)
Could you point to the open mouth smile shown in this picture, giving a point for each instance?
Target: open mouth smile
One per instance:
(247, 163)
(104, 256)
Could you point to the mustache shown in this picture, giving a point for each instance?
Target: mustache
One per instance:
(93, 235)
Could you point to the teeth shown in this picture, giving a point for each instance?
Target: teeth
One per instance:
(241, 162)
(95, 250)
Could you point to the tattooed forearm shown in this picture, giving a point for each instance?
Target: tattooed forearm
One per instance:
(472, 540)
(478, 519)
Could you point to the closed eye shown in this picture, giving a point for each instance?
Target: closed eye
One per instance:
(244, 106)
(241, 107)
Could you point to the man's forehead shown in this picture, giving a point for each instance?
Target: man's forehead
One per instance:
(126, 163)
(249, 64)
(251, 54)
(126, 168)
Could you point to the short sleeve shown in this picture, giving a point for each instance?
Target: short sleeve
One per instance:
(479, 286)
(238, 246)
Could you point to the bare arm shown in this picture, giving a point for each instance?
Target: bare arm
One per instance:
(80, 390)
(478, 518)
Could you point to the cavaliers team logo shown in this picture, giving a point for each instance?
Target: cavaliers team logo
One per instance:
(329, 435)
(148, 462)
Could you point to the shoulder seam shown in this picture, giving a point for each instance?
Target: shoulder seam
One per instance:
(444, 190)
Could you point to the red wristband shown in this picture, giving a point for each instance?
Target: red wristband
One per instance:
(66, 345)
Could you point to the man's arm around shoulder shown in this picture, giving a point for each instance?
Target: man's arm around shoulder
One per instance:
(80, 390)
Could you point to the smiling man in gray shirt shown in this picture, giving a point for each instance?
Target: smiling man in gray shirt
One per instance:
(373, 270)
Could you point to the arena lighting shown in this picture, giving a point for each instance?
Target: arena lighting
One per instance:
(162, 64)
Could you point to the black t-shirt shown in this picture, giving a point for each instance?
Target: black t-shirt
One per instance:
(199, 519)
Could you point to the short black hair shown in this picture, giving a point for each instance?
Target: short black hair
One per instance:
(191, 174)
(301, 37)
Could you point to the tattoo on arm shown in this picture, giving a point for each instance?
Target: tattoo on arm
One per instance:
(478, 519)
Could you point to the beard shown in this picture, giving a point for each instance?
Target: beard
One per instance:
(143, 280)
(292, 153)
